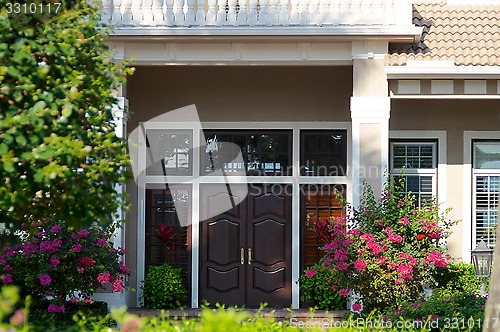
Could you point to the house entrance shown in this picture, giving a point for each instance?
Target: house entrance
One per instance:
(245, 253)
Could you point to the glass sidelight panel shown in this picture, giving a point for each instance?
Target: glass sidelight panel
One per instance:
(166, 240)
(319, 202)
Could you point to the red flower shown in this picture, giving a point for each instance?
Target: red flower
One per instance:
(420, 237)
(86, 261)
(166, 235)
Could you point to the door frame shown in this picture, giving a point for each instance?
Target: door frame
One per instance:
(296, 180)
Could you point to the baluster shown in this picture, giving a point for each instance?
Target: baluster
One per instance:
(294, 12)
(157, 10)
(305, 17)
(389, 12)
(314, 10)
(377, 8)
(273, 12)
(253, 14)
(147, 12)
(221, 12)
(190, 12)
(200, 13)
(283, 12)
(211, 16)
(346, 11)
(179, 12)
(169, 12)
(231, 13)
(242, 16)
(116, 16)
(325, 12)
(106, 11)
(263, 12)
(335, 12)
(126, 10)
(136, 10)
(356, 9)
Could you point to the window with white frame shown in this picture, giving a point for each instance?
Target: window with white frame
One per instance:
(486, 183)
(418, 161)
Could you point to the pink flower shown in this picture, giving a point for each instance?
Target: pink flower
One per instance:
(405, 271)
(395, 238)
(360, 264)
(342, 266)
(344, 292)
(123, 268)
(82, 233)
(381, 260)
(55, 308)
(369, 237)
(101, 242)
(117, 285)
(55, 229)
(6, 278)
(354, 231)
(103, 278)
(86, 261)
(77, 248)
(44, 279)
(437, 259)
(311, 273)
(7, 268)
(404, 220)
(80, 270)
(357, 307)
(54, 262)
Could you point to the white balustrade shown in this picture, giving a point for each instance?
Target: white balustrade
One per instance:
(215, 13)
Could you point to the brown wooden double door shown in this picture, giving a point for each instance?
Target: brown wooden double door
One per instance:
(246, 251)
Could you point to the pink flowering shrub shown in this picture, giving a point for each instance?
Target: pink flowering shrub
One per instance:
(59, 261)
(386, 249)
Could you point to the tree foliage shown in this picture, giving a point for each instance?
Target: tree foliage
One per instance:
(59, 156)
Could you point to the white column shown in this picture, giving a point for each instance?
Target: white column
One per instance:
(370, 112)
(119, 118)
(370, 143)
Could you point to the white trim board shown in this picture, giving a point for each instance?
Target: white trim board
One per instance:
(468, 232)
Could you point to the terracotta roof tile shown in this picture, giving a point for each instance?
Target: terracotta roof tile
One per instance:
(466, 34)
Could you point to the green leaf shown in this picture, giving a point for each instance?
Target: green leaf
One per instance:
(39, 106)
(3, 149)
(21, 140)
(67, 110)
(8, 166)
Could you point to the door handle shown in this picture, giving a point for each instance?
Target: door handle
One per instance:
(249, 256)
(242, 256)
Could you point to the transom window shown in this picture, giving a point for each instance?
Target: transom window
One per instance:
(169, 152)
(263, 152)
(323, 152)
(486, 175)
(418, 161)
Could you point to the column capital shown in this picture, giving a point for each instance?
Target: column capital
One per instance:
(375, 109)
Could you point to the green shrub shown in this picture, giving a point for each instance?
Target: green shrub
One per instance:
(319, 285)
(458, 277)
(444, 309)
(163, 287)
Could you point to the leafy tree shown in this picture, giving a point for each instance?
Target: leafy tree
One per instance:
(59, 156)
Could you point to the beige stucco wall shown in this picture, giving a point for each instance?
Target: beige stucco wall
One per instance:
(455, 117)
(233, 93)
